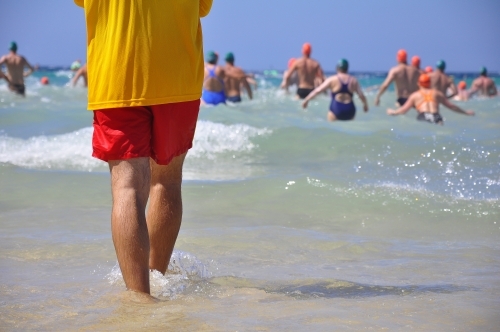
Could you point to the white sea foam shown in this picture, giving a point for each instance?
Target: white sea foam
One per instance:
(72, 151)
(216, 138)
(68, 151)
(182, 269)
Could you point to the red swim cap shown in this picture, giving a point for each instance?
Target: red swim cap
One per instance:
(424, 81)
(306, 49)
(462, 85)
(401, 56)
(44, 80)
(428, 69)
(291, 62)
(415, 61)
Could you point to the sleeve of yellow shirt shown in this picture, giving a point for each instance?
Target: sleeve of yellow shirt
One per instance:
(205, 6)
(80, 3)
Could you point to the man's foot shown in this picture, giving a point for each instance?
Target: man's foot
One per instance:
(138, 297)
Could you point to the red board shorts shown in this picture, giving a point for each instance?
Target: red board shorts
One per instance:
(161, 132)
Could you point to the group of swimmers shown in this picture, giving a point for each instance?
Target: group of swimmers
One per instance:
(224, 83)
(423, 90)
(16, 73)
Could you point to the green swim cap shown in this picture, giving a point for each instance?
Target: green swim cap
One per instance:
(483, 71)
(343, 64)
(13, 46)
(230, 57)
(441, 65)
(211, 57)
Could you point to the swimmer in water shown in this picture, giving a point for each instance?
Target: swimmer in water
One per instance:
(234, 79)
(415, 62)
(442, 82)
(405, 77)
(214, 90)
(484, 85)
(463, 94)
(308, 70)
(292, 79)
(77, 64)
(82, 72)
(426, 101)
(428, 69)
(342, 86)
(15, 69)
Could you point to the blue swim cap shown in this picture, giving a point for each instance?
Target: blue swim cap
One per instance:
(483, 71)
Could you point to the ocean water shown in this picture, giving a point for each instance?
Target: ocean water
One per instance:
(290, 223)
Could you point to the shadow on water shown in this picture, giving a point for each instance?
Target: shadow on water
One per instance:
(331, 288)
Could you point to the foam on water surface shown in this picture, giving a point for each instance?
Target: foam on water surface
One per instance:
(183, 269)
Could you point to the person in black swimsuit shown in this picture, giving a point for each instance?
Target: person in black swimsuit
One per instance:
(426, 101)
(342, 87)
(405, 78)
(308, 72)
(15, 64)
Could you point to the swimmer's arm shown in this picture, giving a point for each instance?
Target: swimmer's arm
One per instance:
(321, 73)
(78, 74)
(474, 89)
(403, 109)
(205, 7)
(325, 85)
(493, 90)
(361, 95)
(247, 87)
(2, 75)
(384, 86)
(251, 81)
(30, 68)
(286, 77)
(454, 107)
(453, 88)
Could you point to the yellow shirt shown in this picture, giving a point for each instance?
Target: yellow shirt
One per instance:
(144, 52)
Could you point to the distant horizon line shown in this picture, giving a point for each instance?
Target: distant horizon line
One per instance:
(327, 71)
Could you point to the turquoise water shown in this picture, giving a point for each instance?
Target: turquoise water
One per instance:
(289, 220)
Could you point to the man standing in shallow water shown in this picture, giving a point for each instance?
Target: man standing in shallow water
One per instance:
(235, 78)
(484, 85)
(308, 71)
(15, 69)
(146, 100)
(442, 82)
(405, 77)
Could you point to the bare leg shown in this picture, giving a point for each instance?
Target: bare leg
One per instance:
(130, 181)
(330, 116)
(165, 211)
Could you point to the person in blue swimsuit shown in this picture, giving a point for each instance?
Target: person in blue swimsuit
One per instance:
(214, 91)
(342, 86)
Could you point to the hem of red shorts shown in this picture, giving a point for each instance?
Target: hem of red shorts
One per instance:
(106, 157)
(176, 154)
